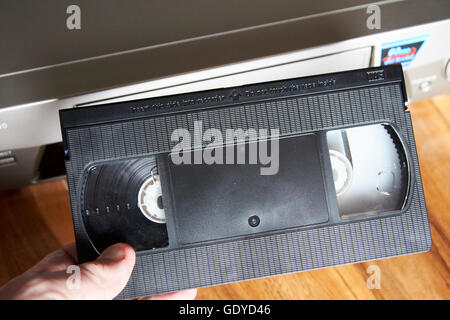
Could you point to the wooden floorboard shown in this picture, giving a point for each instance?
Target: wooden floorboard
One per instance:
(36, 220)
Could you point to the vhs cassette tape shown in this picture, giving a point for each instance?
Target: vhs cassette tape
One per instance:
(238, 183)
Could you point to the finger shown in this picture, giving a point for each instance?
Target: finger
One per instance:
(103, 278)
(106, 277)
(71, 250)
(58, 260)
(180, 295)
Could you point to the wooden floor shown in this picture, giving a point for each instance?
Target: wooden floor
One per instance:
(36, 220)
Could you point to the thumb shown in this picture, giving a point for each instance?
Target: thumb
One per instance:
(105, 277)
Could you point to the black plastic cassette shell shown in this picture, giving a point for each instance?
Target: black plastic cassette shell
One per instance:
(357, 97)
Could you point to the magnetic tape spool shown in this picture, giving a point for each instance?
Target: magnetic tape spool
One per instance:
(370, 169)
(112, 211)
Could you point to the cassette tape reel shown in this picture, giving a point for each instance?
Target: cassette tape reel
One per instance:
(122, 202)
(370, 169)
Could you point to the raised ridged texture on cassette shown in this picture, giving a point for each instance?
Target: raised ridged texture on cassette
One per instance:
(237, 260)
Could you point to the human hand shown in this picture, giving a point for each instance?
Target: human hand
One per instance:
(103, 278)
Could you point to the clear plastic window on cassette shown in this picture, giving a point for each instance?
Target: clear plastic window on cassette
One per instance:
(370, 171)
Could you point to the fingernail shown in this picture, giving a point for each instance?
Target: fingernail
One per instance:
(115, 252)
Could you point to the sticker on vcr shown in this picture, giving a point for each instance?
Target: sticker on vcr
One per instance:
(402, 51)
